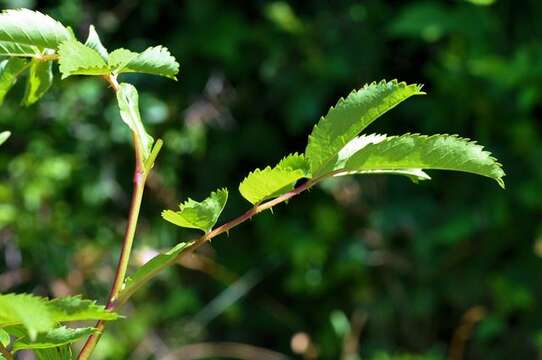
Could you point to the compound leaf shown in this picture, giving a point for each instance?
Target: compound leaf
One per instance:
(128, 101)
(155, 60)
(199, 215)
(413, 151)
(94, 42)
(268, 183)
(40, 79)
(76, 58)
(10, 69)
(16, 49)
(54, 338)
(4, 135)
(349, 117)
(149, 270)
(28, 27)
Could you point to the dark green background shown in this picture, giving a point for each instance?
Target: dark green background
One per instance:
(255, 76)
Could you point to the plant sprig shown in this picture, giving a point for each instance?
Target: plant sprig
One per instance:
(334, 148)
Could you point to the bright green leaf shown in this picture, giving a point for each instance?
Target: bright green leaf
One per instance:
(38, 314)
(40, 79)
(15, 49)
(30, 311)
(4, 136)
(10, 69)
(30, 27)
(128, 101)
(413, 151)
(94, 42)
(54, 338)
(149, 270)
(76, 58)
(155, 60)
(349, 117)
(75, 308)
(4, 338)
(199, 215)
(268, 183)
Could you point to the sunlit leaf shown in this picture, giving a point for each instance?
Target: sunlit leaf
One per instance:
(268, 183)
(30, 27)
(16, 49)
(412, 151)
(199, 215)
(30, 311)
(76, 58)
(4, 135)
(128, 101)
(40, 79)
(94, 42)
(4, 338)
(349, 117)
(53, 338)
(155, 60)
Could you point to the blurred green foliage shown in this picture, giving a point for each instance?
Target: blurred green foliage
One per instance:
(255, 76)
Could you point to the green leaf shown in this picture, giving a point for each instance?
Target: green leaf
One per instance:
(15, 49)
(128, 101)
(199, 215)
(30, 311)
(4, 135)
(10, 69)
(413, 151)
(94, 42)
(53, 338)
(4, 338)
(40, 79)
(75, 308)
(268, 183)
(149, 270)
(58, 353)
(349, 117)
(155, 60)
(30, 27)
(38, 314)
(78, 59)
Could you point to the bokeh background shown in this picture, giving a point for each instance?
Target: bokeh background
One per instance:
(365, 268)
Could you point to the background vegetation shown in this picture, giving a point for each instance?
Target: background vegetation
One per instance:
(411, 268)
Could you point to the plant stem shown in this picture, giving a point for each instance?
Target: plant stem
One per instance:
(140, 177)
(5, 352)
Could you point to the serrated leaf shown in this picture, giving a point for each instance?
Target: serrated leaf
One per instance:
(75, 308)
(4, 338)
(53, 338)
(58, 353)
(76, 58)
(154, 60)
(40, 79)
(30, 311)
(4, 136)
(128, 101)
(349, 117)
(268, 183)
(94, 42)
(149, 270)
(10, 69)
(30, 27)
(199, 215)
(38, 314)
(441, 152)
(15, 49)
